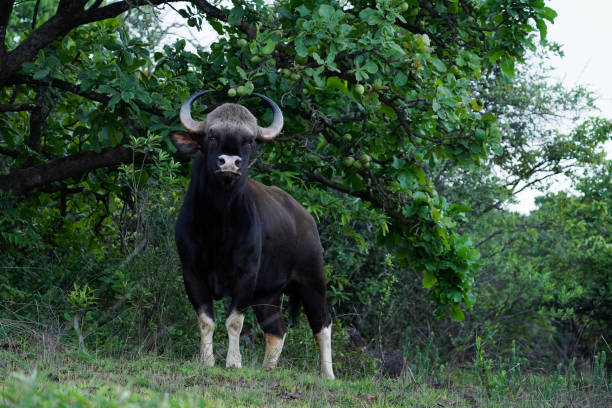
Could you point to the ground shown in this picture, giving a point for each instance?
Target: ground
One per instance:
(78, 379)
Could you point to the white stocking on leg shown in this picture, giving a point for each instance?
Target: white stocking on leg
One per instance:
(324, 341)
(234, 327)
(207, 329)
(274, 347)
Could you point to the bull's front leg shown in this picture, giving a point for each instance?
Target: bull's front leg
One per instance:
(234, 327)
(200, 298)
(206, 325)
(242, 294)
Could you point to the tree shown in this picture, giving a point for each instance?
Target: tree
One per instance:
(376, 95)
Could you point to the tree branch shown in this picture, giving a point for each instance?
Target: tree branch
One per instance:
(35, 16)
(25, 180)
(221, 15)
(9, 152)
(70, 14)
(76, 89)
(37, 121)
(360, 194)
(6, 8)
(19, 107)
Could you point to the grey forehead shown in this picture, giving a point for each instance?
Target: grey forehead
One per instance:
(232, 116)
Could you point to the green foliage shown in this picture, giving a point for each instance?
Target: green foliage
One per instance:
(398, 78)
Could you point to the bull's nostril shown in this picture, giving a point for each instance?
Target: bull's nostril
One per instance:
(221, 160)
(238, 161)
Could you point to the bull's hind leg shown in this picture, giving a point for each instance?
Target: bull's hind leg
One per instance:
(315, 307)
(269, 316)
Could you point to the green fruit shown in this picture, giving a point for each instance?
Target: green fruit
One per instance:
(241, 42)
(357, 165)
(241, 90)
(231, 93)
(271, 62)
(347, 137)
(367, 165)
(255, 59)
(191, 22)
(286, 72)
(403, 7)
(295, 77)
(359, 89)
(348, 161)
(365, 158)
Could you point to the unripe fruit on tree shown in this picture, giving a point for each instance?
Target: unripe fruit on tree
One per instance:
(241, 42)
(295, 76)
(359, 89)
(286, 72)
(241, 90)
(357, 165)
(367, 165)
(347, 137)
(403, 7)
(231, 93)
(255, 59)
(365, 158)
(271, 62)
(348, 161)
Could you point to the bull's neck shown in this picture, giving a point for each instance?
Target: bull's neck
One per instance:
(224, 202)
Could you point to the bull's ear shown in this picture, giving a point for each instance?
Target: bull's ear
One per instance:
(184, 143)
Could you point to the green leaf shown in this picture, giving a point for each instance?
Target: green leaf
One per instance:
(548, 13)
(429, 279)
(241, 72)
(326, 11)
(400, 79)
(303, 10)
(371, 67)
(269, 47)
(249, 87)
(337, 83)
(456, 313)
(507, 65)
(439, 65)
(111, 44)
(235, 15)
(41, 74)
(543, 29)
(300, 48)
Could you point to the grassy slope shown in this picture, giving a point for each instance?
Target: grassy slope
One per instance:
(79, 380)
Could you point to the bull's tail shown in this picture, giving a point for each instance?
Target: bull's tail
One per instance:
(295, 306)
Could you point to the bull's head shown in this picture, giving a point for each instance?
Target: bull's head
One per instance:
(226, 137)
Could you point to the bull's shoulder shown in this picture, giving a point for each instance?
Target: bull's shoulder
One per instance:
(274, 201)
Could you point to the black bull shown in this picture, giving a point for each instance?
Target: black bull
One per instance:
(239, 238)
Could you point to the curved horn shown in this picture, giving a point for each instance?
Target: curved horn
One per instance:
(270, 132)
(192, 126)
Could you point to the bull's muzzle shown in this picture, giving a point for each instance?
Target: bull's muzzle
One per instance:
(229, 165)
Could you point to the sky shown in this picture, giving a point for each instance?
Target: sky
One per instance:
(584, 30)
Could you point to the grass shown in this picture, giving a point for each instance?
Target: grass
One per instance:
(38, 378)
